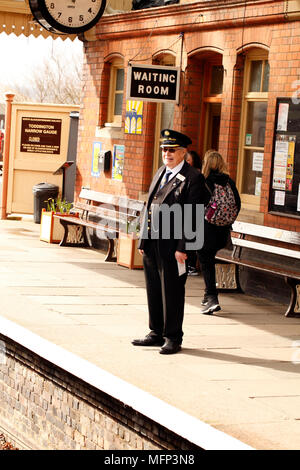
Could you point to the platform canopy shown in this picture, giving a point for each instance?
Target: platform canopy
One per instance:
(16, 17)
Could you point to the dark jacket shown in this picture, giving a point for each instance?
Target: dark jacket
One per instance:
(216, 237)
(222, 179)
(187, 188)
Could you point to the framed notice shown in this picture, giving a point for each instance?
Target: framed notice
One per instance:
(118, 162)
(41, 135)
(97, 147)
(134, 117)
(285, 174)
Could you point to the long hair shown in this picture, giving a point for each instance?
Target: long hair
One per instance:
(213, 161)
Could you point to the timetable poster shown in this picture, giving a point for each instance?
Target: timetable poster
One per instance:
(118, 162)
(285, 172)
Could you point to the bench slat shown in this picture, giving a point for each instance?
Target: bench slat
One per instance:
(260, 266)
(267, 232)
(86, 223)
(118, 201)
(266, 248)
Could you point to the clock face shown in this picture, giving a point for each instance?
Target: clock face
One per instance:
(68, 16)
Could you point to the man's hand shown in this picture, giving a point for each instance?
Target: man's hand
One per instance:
(141, 252)
(180, 257)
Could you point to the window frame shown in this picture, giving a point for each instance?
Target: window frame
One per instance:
(114, 120)
(249, 201)
(209, 99)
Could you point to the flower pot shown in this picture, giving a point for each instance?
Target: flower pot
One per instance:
(127, 252)
(51, 229)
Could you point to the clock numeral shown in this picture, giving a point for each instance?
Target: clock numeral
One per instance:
(52, 6)
(70, 19)
(81, 18)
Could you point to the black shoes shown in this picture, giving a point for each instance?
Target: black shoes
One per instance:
(149, 340)
(211, 305)
(168, 346)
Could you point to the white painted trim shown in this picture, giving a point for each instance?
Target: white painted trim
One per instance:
(177, 421)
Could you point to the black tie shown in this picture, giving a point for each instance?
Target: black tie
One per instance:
(165, 179)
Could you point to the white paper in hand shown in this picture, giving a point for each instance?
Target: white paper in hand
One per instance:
(181, 268)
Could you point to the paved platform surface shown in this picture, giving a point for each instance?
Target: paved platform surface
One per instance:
(239, 370)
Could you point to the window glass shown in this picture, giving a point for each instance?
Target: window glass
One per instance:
(216, 84)
(256, 123)
(118, 104)
(265, 86)
(120, 79)
(251, 177)
(255, 75)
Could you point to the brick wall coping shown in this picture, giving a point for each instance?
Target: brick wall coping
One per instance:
(191, 428)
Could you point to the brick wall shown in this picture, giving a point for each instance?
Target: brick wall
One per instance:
(45, 407)
(208, 27)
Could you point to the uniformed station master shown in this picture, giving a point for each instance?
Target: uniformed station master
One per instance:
(175, 183)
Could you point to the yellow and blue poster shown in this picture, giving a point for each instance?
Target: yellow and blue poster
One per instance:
(118, 162)
(134, 117)
(97, 146)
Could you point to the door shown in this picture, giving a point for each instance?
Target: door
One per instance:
(38, 147)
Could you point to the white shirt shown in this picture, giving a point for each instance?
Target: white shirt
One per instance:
(175, 170)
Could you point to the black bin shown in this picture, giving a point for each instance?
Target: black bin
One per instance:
(41, 193)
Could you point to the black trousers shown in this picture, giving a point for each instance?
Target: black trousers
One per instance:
(215, 238)
(165, 293)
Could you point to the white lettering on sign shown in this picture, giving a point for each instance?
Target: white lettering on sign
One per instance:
(154, 77)
(156, 90)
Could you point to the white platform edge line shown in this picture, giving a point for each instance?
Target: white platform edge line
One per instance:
(191, 428)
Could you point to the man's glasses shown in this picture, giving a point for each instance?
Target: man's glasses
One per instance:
(170, 150)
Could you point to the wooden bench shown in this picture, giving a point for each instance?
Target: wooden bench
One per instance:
(107, 213)
(268, 250)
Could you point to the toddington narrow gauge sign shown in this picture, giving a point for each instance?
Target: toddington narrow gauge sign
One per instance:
(153, 83)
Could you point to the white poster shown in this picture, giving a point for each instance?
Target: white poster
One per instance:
(282, 120)
(257, 161)
(279, 199)
(298, 201)
(258, 186)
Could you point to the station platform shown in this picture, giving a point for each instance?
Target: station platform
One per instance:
(238, 370)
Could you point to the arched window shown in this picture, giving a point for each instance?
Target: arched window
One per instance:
(116, 92)
(253, 126)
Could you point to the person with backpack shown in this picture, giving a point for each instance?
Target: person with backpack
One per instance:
(222, 205)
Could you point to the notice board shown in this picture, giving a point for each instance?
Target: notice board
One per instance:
(285, 174)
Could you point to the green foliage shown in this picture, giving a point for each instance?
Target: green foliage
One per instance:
(59, 205)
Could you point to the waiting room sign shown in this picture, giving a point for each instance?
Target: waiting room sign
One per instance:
(153, 83)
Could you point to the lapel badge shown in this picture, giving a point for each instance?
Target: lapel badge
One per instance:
(180, 177)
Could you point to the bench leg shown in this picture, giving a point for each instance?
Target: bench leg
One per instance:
(228, 280)
(292, 283)
(110, 250)
(74, 235)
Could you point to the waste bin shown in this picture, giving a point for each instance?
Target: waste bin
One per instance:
(41, 193)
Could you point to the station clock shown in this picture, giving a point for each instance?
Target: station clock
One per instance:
(67, 16)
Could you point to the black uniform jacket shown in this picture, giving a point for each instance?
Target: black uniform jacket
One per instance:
(187, 187)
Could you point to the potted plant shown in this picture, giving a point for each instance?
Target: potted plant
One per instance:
(51, 229)
(127, 251)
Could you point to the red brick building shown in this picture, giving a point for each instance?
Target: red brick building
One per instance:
(236, 58)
